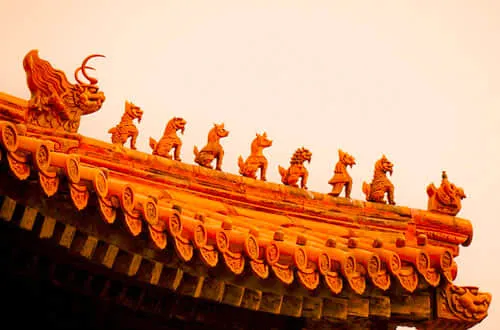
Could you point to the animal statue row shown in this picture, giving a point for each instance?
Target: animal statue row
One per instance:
(445, 199)
(58, 104)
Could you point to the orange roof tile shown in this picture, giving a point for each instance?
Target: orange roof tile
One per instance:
(294, 234)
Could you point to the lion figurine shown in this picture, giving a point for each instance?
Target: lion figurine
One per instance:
(446, 199)
(297, 170)
(256, 160)
(213, 149)
(341, 177)
(126, 128)
(169, 140)
(375, 191)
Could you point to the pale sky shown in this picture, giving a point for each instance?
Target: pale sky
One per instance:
(418, 81)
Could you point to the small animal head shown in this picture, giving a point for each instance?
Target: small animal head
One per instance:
(178, 123)
(220, 131)
(262, 140)
(90, 98)
(133, 111)
(460, 193)
(301, 155)
(384, 165)
(346, 159)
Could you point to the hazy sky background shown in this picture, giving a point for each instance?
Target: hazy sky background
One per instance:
(416, 80)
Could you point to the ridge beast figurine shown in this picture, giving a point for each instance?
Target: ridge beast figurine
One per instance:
(213, 149)
(55, 102)
(380, 185)
(126, 128)
(446, 199)
(169, 140)
(341, 177)
(256, 160)
(297, 169)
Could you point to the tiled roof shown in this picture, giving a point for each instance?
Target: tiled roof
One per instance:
(290, 233)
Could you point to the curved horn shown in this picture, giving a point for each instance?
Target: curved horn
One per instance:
(80, 69)
(76, 76)
(84, 66)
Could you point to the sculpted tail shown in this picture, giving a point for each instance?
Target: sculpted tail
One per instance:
(282, 172)
(152, 143)
(431, 190)
(241, 165)
(366, 189)
(196, 153)
(114, 135)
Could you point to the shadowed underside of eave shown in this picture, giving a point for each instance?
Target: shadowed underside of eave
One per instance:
(81, 234)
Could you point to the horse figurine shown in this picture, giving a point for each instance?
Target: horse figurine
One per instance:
(213, 149)
(297, 170)
(380, 185)
(446, 199)
(126, 128)
(256, 160)
(341, 177)
(169, 140)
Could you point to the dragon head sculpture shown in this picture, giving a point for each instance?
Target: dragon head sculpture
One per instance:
(178, 123)
(55, 102)
(346, 158)
(261, 140)
(219, 130)
(384, 165)
(133, 111)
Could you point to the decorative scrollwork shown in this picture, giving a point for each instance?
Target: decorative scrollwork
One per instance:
(150, 212)
(222, 241)
(183, 248)
(72, 170)
(8, 137)
(466, 303)
(284, 273)
(159, 238)
(107, 210)
(19, 166)
(259, 268)
(234, 261)
(133, 223)
(348, 266)
(79, 195)
(252, 247)
(199, 235)
(334, 282)
(357, 282)
(49, 182)
(272, 253)
(128, 200)
(432, 277)
(209, 255)
(408, 278)
(175, 225)
(309, 279)
(381, 280)
(300, 258)
(42, 157)
(324, 263)
(101, 184)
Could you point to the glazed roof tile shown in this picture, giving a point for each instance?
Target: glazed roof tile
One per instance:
(281, 231)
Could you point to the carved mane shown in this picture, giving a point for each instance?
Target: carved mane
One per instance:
(42, 77)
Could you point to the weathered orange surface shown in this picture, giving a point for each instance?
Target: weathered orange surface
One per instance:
(276, 229)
